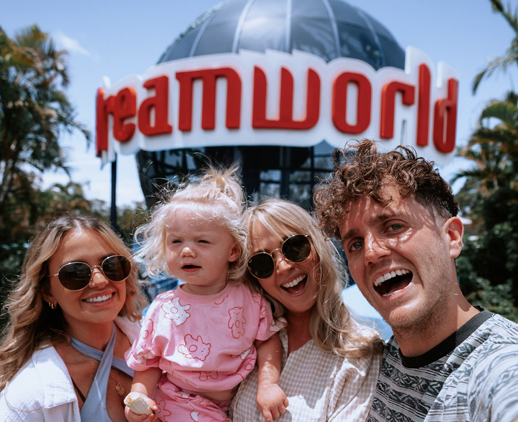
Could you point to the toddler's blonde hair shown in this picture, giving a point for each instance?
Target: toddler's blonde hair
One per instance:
(218, 196)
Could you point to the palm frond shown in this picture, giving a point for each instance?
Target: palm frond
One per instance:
(500, 64)
(508, 14)
(502, 110)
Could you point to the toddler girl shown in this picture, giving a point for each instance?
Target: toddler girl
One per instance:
(200, 341)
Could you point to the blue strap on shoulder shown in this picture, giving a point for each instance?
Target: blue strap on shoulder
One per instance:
(89, 351)
(94, 408)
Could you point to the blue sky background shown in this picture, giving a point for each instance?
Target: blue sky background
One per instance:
(118, 38)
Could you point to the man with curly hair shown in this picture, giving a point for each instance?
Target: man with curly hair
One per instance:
(397, 220)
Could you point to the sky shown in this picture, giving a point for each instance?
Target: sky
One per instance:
(115, 38)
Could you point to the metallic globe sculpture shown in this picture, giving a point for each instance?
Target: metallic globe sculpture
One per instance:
(326, 28)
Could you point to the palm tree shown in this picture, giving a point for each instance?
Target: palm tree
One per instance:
(494, 148)
(511, 57)
(33, 108)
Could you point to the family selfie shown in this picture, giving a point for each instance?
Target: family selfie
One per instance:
(308, 227)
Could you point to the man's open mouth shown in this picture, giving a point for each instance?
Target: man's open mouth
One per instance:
(392, 282)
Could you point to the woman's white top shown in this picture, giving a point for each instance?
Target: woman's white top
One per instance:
(42, 390)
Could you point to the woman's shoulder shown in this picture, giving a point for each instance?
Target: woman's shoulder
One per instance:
(43, 382)
(129, 328)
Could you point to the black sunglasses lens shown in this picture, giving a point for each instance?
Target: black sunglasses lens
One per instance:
(261, 265)
(116, 268)
(75, 276)
(296, 248)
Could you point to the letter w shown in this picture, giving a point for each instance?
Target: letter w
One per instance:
(285, 120)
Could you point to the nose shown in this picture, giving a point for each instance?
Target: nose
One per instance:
(188, 252)
(98, 279)
(375, 249)
(281, 262)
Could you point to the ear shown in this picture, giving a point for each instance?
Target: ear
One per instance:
(454, 229)
(46, 294)
(234, 253)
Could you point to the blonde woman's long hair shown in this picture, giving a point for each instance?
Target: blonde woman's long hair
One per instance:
(33, 324)
(217, 196)
(331, 326)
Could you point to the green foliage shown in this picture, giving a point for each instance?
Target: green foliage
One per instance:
(130, 218)
(480, 291)
(488, 265)
(490, 198)
(34, 109)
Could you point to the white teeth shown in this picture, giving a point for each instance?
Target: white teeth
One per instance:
(390, 275)
(98, 298)
(294, 282)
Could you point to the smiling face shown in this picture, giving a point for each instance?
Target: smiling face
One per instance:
(294, 284)
(402, 259)
(199, 251)
(102, 300)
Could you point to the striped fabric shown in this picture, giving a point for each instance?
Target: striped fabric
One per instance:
(320, 387)
(471, 376)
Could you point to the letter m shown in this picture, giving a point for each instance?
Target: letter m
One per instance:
(208, 114)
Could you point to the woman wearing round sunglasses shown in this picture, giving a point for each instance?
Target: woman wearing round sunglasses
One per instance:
(73, 314)
(330, 363)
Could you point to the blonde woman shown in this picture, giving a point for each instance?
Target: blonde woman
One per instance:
(330, 363)
(73, 315)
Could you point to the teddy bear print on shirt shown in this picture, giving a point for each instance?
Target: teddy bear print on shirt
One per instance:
(194, 348)
(205, 375)
(162, 411)
(257, 298)
(236, 322)
(175, 311)
(145, 353)
(147, 328)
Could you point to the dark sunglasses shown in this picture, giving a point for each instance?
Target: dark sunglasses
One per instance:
(77, 275)
(295, 249)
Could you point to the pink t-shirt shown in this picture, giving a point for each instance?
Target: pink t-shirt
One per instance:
(204, 343)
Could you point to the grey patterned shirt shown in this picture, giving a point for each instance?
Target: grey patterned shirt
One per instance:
(470, 376)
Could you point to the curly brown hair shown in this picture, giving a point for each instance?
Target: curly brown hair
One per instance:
(365, 171)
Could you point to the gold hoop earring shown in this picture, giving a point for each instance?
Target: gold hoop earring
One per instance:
(52, 305)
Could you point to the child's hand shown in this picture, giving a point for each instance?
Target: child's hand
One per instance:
(271, 401)
(131, 416)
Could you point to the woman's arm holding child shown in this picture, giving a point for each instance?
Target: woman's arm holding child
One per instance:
(144, 382)
(271, 400)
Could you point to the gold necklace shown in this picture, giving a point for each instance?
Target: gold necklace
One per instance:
(118, 387)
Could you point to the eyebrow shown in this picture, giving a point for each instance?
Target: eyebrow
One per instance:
(378, 219)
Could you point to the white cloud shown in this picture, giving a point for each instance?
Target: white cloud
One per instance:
(69, 44)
